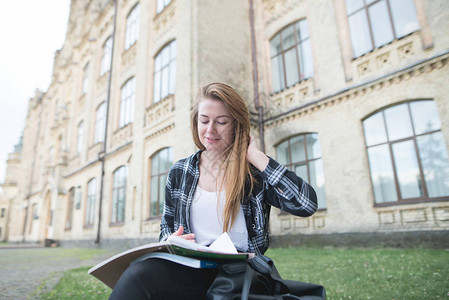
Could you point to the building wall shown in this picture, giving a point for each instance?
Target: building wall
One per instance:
(213, 43)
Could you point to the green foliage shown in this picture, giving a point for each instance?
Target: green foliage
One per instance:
(345, 273)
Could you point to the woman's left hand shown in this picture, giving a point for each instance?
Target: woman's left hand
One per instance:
(256, 157)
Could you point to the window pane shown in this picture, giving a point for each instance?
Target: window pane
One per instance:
(301, 171)
(313, 146)
(435, 162)
(155, 165)
(407, 169)
(380, 24)
(382, 174)
(157, 87)
(302, 30)
(165, 56)
(375, 130)
(353, 5)
(306, 60)
(275, 45)
(360, 35)
(282, 153)
(164, 83)
(278, 73)
(153, 196)
(425, 116)
(404, 17)
(398, 122)
(298, 150)
(291, 67)
(288, 37)
(160, 5)
(317, 181)
(173, 50)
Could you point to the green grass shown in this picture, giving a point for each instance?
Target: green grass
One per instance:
(345, 273)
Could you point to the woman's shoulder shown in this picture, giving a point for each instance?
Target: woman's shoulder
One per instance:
(187, 163)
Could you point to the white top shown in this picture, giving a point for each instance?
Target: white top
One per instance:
(206, 219)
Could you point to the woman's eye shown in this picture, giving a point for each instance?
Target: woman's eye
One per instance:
(204, 122)
(222, 123)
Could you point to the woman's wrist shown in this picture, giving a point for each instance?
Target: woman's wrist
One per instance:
(258, 159)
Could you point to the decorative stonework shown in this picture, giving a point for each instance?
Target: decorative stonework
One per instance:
(122, 135)
(164, 20)
(358, 91)
(386, 217)
(275, 9)
(319, 222)
(160, 111)
(129, 56)
(363, 68)
(413, 216)
(406, 51)
(441, 215)
(160, 132)
(74, 163)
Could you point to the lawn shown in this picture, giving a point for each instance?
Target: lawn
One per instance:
(346, 273)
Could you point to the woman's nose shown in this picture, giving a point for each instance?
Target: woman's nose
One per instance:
(211, 127)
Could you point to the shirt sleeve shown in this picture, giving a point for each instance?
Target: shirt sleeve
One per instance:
(168, 216)
(287, 191)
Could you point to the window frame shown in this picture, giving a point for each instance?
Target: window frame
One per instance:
(292, 165)
(157, 73)
(105, 64)
(91, 199)
(127, 100)
(299, 55)
(70, 205)
(132, 26)
(422, 182)
(80, 137)
(164, 4)
(159, 175)
(120, 171)
(365, 11)
(100, 123)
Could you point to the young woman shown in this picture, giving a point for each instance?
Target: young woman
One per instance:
(227, 186)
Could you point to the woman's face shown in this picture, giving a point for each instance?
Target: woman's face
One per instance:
(215, 125)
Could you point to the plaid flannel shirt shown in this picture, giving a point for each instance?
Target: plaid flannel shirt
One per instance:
(276, 186)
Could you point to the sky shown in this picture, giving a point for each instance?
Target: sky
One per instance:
(30, 32)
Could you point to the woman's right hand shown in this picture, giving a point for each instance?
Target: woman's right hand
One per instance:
(190, 236)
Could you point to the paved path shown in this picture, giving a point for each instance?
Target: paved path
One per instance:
(22, 271)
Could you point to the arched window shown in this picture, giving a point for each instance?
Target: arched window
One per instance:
(160, 165)
(119, 195)
(302, 155)
(291, 56)
(407, 153)
(165, 72)
(132, 26)
(374, 23)
(100, 123)
(106, 56)
(90, 202)
(69, 215)
(127, 102)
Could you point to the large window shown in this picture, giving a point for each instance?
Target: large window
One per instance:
(407, 153)
(161, 4)
(160, 165)
(69, 215)
(291, 56)
(106, 56)
(91, 199)
(127, 103)
(374, 23)
(79, 143)
(100, 123)
(85, 78)
(132, 27)
(119, 195)
(302, 155)
(165, 72)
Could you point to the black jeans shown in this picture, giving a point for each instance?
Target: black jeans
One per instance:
(162, 279)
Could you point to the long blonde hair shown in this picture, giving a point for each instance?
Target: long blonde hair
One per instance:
(235, 164)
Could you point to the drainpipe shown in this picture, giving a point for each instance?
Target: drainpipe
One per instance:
(102, 154)
(258, 107)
